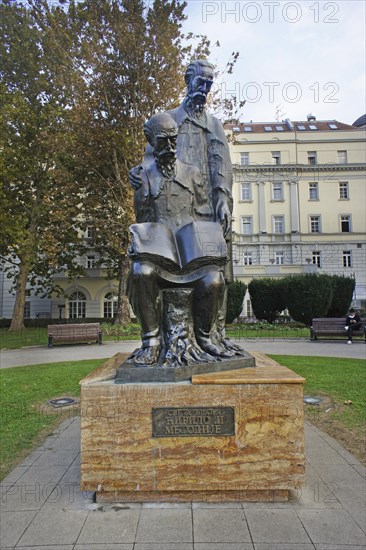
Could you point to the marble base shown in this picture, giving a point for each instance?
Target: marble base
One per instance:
(121, 460)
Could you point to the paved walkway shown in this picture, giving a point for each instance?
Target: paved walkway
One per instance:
(42, 354)
(43, 508)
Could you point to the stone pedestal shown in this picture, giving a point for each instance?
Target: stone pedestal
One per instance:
(234, 435)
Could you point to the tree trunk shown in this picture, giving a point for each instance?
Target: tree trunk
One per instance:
(123, 316)
(17, 321)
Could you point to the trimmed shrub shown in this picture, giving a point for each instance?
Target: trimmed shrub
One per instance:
(308, 296)
(268, 297)
(343, 288)
(236, 293)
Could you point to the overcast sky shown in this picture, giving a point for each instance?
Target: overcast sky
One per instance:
(295, 57)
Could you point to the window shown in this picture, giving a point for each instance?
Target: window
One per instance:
(313, 191)
(276, 157)
(247, 258)
(77, 305)
(342, 157)
(278, 224)
(347, 258)
(90, 262)
(246, 223)
(245, 192)
(268, 128)
(244, 159)
(313, 127)
(312, 157)
(277, 191)
(333, 126)
(279, 258)
(316, 258)
(27, 310)
(248, 128)
(90, 232)
(345, 224)
(301, 127)
(110, 305)
(314, 224)
(343, 190)
(249, 310)
(279, 128)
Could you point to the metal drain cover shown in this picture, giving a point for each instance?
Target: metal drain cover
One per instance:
(310, 400)
(61, 402)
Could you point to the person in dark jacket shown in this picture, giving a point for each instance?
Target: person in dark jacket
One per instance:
(353, 322)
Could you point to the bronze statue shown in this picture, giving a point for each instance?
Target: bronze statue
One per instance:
(183, 208)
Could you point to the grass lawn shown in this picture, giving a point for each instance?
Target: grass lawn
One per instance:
(26, 417)
(338, 380)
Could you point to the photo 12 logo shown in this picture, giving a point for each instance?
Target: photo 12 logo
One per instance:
(276, 92)
(270, 12)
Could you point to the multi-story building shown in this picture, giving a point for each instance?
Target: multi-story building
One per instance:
(299, 206)
(299, 200)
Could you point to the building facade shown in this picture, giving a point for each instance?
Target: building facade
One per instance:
(299, 200)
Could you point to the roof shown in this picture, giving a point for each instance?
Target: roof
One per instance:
(288, 126)
(361, 121)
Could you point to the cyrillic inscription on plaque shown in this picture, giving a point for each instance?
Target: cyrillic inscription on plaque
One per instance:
(193, 421)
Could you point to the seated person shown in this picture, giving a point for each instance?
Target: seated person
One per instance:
(353, 322)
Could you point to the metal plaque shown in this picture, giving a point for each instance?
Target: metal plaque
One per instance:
(193, 421)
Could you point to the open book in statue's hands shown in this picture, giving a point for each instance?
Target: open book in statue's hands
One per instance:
(191, 246)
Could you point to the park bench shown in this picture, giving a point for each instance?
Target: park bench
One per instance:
(81, 332)
(325, 326)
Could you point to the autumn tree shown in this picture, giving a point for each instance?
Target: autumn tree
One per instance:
(38, 227)
(130, 60)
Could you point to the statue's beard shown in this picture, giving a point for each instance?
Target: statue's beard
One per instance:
(166, 163)
(195, 103)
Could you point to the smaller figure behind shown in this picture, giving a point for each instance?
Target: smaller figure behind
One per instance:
(166, 193)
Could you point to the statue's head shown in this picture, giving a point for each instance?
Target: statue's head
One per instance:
(161, 132)
(199, 79)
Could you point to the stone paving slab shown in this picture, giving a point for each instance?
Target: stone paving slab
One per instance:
(54, 527)
(276, 526)
(110, 527)
(162, 546)
(119, 546)
(165, 526)
(58, 547)
(13, 525)
(331, 527)
(284, 546)
(220, 525)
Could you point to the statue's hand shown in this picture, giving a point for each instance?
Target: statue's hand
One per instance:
(223, 215)
(135, 176)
